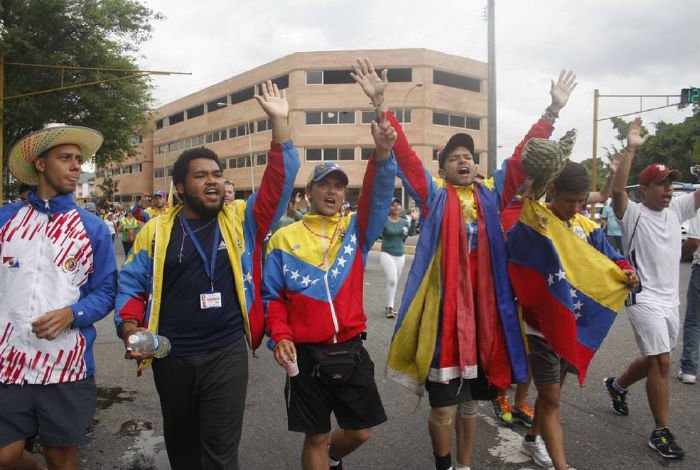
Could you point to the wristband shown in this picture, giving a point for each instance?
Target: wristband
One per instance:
(550, 115)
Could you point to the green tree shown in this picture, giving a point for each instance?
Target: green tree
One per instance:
(601, 169)
(109, 187)
(674, 145)
(85, 33)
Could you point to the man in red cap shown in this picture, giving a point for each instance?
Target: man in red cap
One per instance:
(651, 237)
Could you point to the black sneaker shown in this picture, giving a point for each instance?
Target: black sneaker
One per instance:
(337, 467)
(663, 442)
(619, 399)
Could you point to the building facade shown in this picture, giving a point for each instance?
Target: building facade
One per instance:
(433, 94)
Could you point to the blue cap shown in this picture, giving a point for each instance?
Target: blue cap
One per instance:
(324, 169)
(158, 194)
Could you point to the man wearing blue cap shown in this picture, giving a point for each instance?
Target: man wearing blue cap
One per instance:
(313, 283)
(144, 214)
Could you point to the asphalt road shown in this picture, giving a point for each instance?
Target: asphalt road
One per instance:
(128, 430)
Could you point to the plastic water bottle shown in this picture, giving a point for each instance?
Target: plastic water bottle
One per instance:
(146, 342)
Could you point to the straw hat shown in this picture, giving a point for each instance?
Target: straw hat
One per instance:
(29, 147)
(545, 159)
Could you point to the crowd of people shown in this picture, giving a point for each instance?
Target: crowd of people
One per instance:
(510, 283)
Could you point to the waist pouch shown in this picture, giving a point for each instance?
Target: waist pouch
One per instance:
(334, 364)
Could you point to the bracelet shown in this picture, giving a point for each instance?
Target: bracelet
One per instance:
(550, 115)
(629, 149)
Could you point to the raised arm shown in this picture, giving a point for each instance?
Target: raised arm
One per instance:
(510, 177)
(634, 141)
(377, 186)
(413, 174)
(601, 196)
(268, 204)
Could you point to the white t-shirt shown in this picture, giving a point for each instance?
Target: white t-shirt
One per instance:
(656, 247)
(110, 226)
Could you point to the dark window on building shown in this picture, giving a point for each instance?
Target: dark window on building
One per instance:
(473, 123)
(346, 117)
(233, 133)
(334, 77)
(330, 154)
(261, 159)
(441, 119)
(126, 170)
(126, 198)
(136, 168)
(281, 82)
(263, 125)
(159, 124)
(347, 154)
(243, 95)
(400, 75)
(195, 111)
(366, 152)
(170, 171)
(159, 172)
(232, 162)
(368, 116)
(330, 117)
(314, 77)
(242, 130)
(457, 121)
(177, 117)
(436, 154)
(217, 104)
(403, 115)
(313, 155)
(313, 117)
(456, 81)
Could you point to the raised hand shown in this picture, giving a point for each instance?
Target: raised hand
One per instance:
(415, 213)
(384, 137)
(372, 84)
(273, 101)
(561, 90)
(634, 135)
(614, 162)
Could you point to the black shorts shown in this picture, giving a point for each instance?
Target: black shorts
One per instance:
(60, 413)
(355, 403)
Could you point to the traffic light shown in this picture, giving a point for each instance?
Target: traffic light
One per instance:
(690, 96)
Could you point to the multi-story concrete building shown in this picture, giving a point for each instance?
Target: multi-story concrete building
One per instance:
(435, 95)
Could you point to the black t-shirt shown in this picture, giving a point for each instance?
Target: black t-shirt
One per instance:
(190, 329)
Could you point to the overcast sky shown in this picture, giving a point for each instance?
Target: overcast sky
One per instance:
(619, 47)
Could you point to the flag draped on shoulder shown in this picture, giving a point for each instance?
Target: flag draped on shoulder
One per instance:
(569, 289)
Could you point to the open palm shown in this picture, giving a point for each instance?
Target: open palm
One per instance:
(273, 101)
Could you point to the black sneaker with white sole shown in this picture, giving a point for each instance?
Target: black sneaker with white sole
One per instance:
(619, 399)
(663, 442)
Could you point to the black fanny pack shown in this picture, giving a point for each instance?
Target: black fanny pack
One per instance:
(334, 363)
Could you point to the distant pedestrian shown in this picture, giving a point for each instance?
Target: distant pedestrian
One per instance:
(392, 256)
(691, 325)
(612, 227)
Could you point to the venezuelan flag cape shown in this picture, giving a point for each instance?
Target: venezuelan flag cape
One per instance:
(570, 289)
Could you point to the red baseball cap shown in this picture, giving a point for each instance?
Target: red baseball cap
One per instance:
(658, 172)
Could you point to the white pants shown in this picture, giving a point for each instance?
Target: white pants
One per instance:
(392, 267)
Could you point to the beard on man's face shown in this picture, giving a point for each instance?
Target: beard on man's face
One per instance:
(200, 207)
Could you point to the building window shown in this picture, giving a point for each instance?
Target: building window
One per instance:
(116, 171)
(366, 152)
(329, 117)
(159, 173)
(336, 77)
(281, 82)
(368, 117)
(346, 154)
(177, 117)
(243, 162)
(217, 104)
(264, 125)
(126, 198)
(400, 75)
(403, 115)
(330, 154)
(216, 136)
(159, 124)
(137, 168)
(457, 120)
(454, 80)
(195, 111)
(314, 77)
(170, 171)
(313, 117)
(314, 155)
(243, 95)
(243, 129)
(346, 117)
(261, 159)
(126, 170)
(441, 119)
(232, 162)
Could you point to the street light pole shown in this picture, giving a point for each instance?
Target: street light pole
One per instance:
(403, 121)
(492, 157)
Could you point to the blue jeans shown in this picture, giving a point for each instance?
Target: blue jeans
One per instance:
(691, 325)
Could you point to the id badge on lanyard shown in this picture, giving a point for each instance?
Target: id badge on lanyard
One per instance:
(211, 299)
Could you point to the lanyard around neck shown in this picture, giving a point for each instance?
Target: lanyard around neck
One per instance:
(208, 267)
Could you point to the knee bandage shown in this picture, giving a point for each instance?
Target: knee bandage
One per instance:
(467, 409)
(442, 416)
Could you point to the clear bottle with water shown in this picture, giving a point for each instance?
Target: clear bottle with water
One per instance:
(145, 342)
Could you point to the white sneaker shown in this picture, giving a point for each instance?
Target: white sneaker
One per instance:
(686, 378)
(537, 450)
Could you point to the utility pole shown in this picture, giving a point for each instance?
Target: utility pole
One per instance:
(130, 73)
(492, 157)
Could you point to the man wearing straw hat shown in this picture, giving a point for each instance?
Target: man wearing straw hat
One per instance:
(57, 278)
